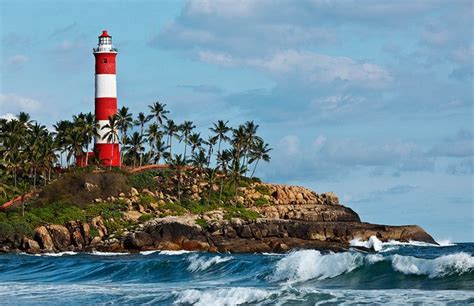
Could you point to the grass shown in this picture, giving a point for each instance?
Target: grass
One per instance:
(261, 202)
(240, 212)
(202, 223)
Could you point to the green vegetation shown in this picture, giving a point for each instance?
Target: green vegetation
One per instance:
(202, 223)
(261, 202)
(240, 211)
(145, 217)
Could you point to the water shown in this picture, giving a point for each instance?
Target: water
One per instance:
(397, 274)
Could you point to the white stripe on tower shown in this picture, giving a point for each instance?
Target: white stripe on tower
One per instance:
(105, 86)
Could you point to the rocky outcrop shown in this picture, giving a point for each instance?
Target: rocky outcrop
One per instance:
(292, 217)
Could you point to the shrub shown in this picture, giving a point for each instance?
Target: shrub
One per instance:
(71, 187)
(240, 212)
(21, 228)
(106, 210)
(198, 207)
(6, 231)
(202, 223)
(174, 209)
(143, 180)
(262, 189)
(145, 217)
(261, 201)
(146, 199)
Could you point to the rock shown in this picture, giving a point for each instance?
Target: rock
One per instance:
(60, 236)
(148, 192)
(76, 230)
(134, 192)
(30, 246)
(98, 224)
(95, 240)
(132, 215)
(90, 186)
(138, 240)
(330, 198)
(44, 239)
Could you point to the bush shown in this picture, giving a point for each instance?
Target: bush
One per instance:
(146, 199)
(198, 207)
(106, 210)
(174, 209)
(143, 180)
(202, 223)
(6, 231)
(21, 228)
(145, 217)
(57, 212)
(240, 212)
(261, 201)
(262, 189)
(71, 188)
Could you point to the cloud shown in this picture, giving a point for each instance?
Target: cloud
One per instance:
(8, 116)
(378, 195)
(331, 158)
(202, 88)
(465, 166)
(15, 103)
(460, 145)
(18, 59)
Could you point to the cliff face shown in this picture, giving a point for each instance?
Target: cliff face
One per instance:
(291, 217)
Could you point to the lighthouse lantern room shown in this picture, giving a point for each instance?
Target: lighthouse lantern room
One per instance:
(106, 146)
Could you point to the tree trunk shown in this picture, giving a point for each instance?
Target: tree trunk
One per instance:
(87, 154)
(254, 168)
(220, 192)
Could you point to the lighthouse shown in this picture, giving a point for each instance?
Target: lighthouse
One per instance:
(107, 150)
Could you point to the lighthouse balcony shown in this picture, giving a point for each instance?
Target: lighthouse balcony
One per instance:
(104, 49)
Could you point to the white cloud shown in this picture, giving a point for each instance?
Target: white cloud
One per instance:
(18, 59)
(8, 116)
(290, 144)
(15, 103)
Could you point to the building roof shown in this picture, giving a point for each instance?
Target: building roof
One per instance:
(105, 34)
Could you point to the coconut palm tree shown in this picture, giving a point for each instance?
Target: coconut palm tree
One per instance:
(74, 144)
(195, 141)
(171, 129)
(199, 159)
(112, 134)
(223, 160)
(135, 147)
(186, 129)
(211, 142)
(89, 129)
(125, 121)
(159, 112)
(141, 120)
(251, 137)
(62, 129)
(220, 130)
(259, 151)
(178, 163)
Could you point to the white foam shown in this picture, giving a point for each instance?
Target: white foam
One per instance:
(392, 245)
(445, 243)
(145, 253)
(457, 263)
(310, 264)
(97, 253)
(197, 263)
(372, 243)
(175, 252)
(226, 296)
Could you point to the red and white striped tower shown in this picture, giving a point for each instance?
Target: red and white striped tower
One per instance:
(105, 99)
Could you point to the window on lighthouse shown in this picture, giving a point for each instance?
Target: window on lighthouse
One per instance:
(105, 40)
(105, 61)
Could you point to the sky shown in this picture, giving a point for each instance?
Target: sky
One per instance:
(370, 99)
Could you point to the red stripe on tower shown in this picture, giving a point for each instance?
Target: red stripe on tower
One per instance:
(107, 149)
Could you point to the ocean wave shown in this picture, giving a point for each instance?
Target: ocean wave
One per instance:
(374, 243)
(97, 253)
(226, 296)
(200, 263)
(180, 252)
(457, 263)
(310, 264)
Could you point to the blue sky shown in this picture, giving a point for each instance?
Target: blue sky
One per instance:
(370, 99)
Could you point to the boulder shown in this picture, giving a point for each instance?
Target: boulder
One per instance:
(30, 246)
(44, 239)
(60, 236)
(75, 228)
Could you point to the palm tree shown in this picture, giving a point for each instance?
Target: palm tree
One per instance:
(223, 160)
(62, 128)
(112, 134)
(89, 127)
(125, 121)
(250, 138)
(259, 151)
(220, 130)
(158, 111)
(199, 159)
(135, 147)
(178, 163)
(211, 142)
(142, 119)
(195, 141)
(154, 137)
(186, 128)
(171, 130)
(74, 144)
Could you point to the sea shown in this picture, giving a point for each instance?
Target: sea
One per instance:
(398, 273)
